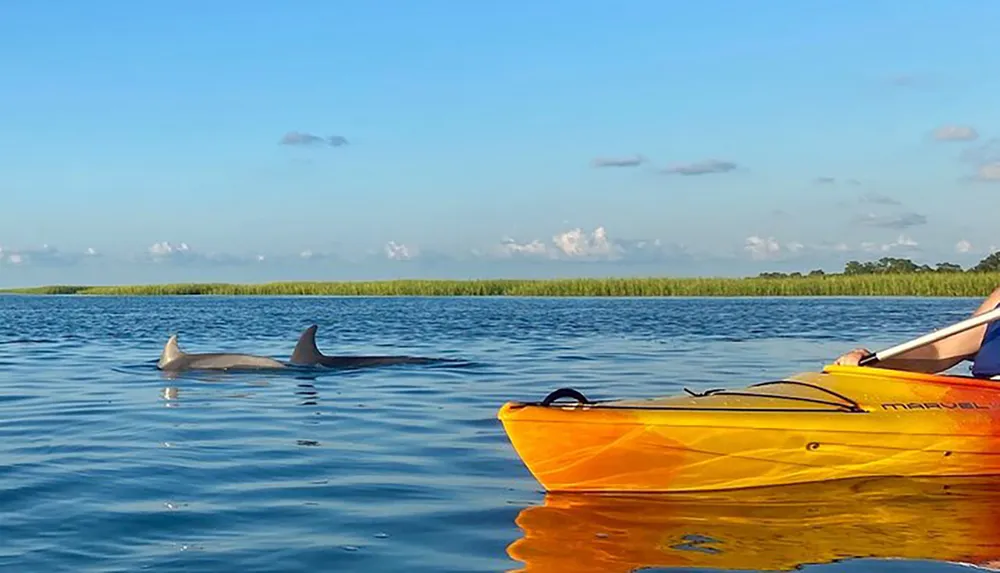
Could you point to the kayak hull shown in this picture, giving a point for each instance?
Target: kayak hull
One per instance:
(844, 422)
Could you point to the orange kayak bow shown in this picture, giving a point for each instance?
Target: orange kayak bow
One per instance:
(844, 422)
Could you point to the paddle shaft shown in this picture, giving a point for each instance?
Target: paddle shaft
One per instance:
(932, 337)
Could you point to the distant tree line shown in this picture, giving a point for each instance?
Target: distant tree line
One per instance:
(896, 265)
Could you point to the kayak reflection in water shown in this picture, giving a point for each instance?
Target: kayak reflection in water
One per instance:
(980, 344)
(766, 529)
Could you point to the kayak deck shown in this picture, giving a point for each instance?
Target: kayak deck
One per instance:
(844, 422)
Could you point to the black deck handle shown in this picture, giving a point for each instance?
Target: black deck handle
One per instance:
(565, 393)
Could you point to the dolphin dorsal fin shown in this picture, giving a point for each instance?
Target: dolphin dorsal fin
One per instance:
(306, 351)
(171, 351)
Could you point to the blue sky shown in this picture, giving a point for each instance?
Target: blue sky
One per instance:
(175, 141)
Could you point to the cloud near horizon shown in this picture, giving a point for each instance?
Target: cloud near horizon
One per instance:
(574, 245)
(45, 255)
(902, 243)
(400, 252)
(764, 248)
(165, 252)
(579, 245)
(771, 249)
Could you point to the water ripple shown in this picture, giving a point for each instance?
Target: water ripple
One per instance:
(108, 464)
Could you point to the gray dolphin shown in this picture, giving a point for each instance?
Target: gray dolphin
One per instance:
(174, 359)
(306, 353)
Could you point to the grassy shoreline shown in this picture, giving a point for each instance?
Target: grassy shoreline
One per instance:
(963, 284)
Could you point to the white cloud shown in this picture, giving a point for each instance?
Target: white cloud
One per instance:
(579, 245)
(167, 253)
(309, 254)
(773, 250)
(903, 243)
(572, 244)
(44, 255)
(769, 248)
(399, 252)
(510, 247)
(164, 249)
(762, 249)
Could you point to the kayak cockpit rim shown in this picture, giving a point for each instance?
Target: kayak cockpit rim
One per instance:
(843, 403)
(952, 379)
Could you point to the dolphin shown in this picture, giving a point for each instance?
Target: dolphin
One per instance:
(174, 359)
(306, 353)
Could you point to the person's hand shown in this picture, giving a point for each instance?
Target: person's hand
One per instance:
(853, 357)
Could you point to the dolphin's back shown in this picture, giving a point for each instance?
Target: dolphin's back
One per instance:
(174, 359)
(362, 361)
(226, 361)
(306, 353)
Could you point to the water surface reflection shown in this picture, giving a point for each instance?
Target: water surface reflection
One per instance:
(773, 529)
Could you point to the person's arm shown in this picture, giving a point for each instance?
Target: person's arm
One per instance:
(938, 356)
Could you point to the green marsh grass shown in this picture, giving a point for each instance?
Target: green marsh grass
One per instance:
(974, 284)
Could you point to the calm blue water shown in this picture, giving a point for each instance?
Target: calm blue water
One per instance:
(106, 464)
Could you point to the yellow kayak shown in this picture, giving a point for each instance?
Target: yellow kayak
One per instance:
(765, 529)
(844, 422)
